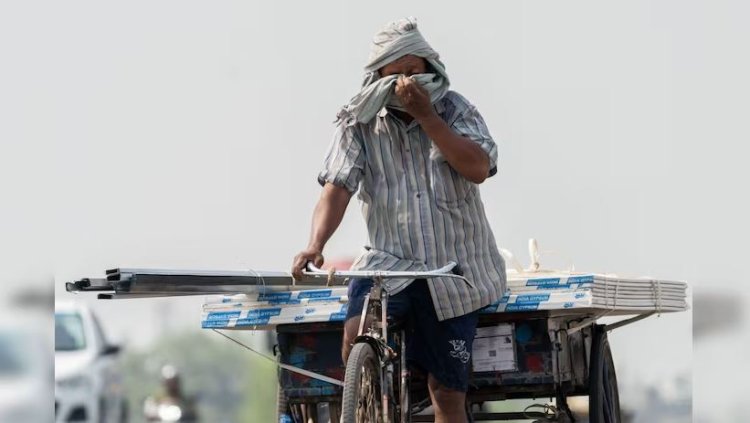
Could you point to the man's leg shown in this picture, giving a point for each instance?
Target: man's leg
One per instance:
(350, 332)
(358, 289)
(443, 349)
(449, 404)
(398, 306)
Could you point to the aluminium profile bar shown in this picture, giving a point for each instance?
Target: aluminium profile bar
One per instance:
(167, 282)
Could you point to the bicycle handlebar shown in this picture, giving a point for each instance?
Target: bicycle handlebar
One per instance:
(443, 272)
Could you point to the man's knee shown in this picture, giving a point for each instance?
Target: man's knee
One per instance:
(448, 400)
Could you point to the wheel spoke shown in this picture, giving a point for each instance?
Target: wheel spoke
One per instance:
(362, 400)
(368, 402)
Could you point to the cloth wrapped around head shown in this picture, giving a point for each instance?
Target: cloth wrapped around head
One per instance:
(394, 41)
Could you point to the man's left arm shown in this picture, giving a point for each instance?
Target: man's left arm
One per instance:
(463, 154)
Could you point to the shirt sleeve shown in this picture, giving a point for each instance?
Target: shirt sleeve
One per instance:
(345, 160)
(470, 124)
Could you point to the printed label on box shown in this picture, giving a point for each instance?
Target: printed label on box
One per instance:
(495, 349)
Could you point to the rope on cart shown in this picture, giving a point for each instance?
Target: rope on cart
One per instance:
(606, 293)
(617, 292)
(259, 276)
(331, 272)
(511, 260)
(550, 412)
(606, 297)
(294, 369)
(657, 293)
(263, 282)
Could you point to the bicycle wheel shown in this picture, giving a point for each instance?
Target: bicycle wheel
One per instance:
(361, 402)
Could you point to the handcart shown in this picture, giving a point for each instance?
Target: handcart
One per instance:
(550, 354)
(578, 363)
(522, 350)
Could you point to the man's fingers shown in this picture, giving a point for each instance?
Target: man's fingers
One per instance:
(414, 86)
(298, 266)
(415, 89)
(300, 263)
(399, 84)
(297, 272)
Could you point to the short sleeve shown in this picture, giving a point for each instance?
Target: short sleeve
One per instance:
(344, 162)
(470, 124)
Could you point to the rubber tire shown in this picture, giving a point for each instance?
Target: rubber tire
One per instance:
(103, 410)
(124, 412)
(362, 357)
(601, 372)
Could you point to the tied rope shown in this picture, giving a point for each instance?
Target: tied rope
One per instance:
(331, 272)
(617, 292)
(263, 282)
(606, 300)
(656, 288)
(259, 276)
(549, 412)
(294, 369)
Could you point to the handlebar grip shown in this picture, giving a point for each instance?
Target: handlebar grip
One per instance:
(310, 267)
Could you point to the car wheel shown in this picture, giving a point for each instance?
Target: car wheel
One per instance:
(102, 411)
(124, 411)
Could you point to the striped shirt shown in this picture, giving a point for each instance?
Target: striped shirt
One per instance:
(420, 212)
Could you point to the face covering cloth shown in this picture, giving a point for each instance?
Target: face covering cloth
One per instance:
(396, 40)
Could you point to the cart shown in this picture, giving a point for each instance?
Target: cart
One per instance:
(553, 354)
(540, 354)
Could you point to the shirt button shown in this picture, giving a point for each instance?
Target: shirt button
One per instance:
(418, 195)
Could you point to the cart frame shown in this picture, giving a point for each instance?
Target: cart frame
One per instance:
(577, 361)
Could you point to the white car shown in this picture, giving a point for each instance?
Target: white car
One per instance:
(88, 383)
(25, 371)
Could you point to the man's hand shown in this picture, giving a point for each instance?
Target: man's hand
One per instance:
(414, 98)
(301, 260)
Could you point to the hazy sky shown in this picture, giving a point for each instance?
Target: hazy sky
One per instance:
(189, 133)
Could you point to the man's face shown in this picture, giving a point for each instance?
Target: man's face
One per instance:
(408, 65)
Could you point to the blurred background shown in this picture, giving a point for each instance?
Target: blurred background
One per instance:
(188, 134)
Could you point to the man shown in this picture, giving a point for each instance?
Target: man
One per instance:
(416, 152)
(170, 404)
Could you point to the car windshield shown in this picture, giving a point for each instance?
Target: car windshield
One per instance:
(69, 332)
(13, 360)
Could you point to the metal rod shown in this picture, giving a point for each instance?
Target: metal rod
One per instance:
(482, 416)
(383, 309)
(622, 323)
(443, 272)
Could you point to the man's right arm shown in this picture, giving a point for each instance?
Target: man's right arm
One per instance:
(326, 218)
